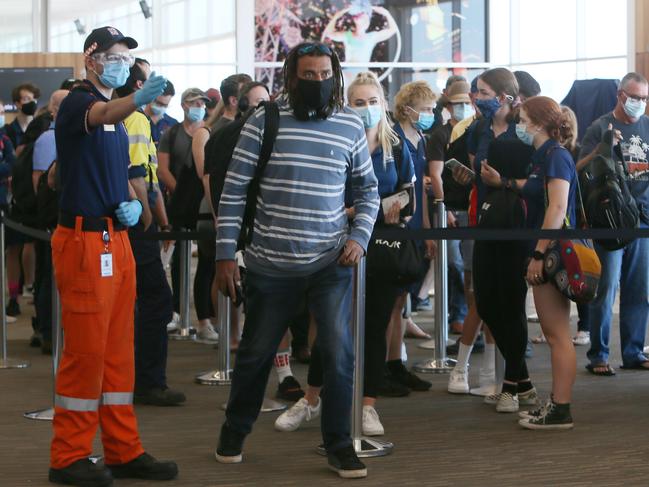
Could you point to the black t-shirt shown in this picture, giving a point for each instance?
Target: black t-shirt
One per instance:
(438, 142)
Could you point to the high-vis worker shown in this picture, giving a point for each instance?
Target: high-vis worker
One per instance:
(95, 274)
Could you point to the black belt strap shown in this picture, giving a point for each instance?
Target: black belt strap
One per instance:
(90, 224)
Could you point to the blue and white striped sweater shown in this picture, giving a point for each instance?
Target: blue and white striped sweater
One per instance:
(300, 222)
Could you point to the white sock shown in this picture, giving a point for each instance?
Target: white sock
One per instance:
(404, 353)
(282, 363)
(489, 360)
(463, 355)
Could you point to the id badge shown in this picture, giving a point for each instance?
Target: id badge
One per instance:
(106, 265)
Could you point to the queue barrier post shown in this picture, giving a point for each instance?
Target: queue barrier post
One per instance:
(57, 344)
(439, 364)
(222, 375)
(185, 332)
(365, 447)
(5, 361)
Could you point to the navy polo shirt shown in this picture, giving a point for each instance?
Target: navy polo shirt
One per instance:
(92, 161)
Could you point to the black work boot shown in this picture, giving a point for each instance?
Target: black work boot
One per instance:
(83, 473)
(145, 467)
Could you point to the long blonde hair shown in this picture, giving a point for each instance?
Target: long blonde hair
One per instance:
(387, 136)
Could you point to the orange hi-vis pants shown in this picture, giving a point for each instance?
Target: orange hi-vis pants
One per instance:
(94, 383)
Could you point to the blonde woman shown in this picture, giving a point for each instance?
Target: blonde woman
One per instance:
(393, 172)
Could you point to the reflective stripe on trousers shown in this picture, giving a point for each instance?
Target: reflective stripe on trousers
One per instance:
(86, 405)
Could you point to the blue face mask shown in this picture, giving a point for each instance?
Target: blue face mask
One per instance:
(370, 115)
(424, 120)
(157, 110)
(2, 121)
(463, 111)
(489, 107)
(522, 133)
(114, 75)
(634, 108)
(196, 114)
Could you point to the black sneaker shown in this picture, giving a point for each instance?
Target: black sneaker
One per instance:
(290, 390)
(83, 473)
(554, 417)
(36, 340)
(145, 467)
(13, 308)
(230, 444)
(403, 376)
(159, 397)
(346, 464)
(392, 388)
(46, 347)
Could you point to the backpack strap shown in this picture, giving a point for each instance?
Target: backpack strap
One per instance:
(271, 128)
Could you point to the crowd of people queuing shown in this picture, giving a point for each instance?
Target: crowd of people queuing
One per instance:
(338, 152)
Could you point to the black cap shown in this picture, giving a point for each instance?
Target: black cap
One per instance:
(105, 38)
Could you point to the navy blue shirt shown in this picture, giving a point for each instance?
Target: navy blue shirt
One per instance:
(15, 132)
(418, 156)
(550, 161)
(159, 128)
(386, 173)
(480, 136)
(92, 161)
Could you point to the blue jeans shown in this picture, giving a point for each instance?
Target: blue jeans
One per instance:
(457, 308)
(271, 304)
(627, 268)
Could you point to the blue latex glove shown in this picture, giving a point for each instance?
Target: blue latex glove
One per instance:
(128, 212)
(152, 89)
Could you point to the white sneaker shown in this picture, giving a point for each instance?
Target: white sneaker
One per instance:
(174, 324)
(458, 381)
(507, 403)
(292, 418)
(581, 338)
(28, 291)
(487, 377)
(492, 399)
(10, 319)
(371, 423)
(529, 398)
(207, 333)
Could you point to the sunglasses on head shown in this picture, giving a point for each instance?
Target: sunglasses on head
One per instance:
(310, 48)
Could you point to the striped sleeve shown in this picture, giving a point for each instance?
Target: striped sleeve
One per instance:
(364, 192)
(233, 198)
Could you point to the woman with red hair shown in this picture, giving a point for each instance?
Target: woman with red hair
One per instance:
(549, 193)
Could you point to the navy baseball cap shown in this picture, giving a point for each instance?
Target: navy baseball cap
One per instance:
(105, 38)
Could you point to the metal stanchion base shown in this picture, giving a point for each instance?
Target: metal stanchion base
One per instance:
(41, 414)
(366, 447)
(183, 336)
(433, 366)
(430, 344)
(533, 318)
(12, 363)
(484, 390)
(215, 378)
(268, 406)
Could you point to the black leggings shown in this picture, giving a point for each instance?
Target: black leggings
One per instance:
(500, 291)
(205, 270)
(379, 301)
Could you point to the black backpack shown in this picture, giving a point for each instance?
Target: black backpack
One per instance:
(504, 207)
(218, 154)
(47, 203)
(608, 201)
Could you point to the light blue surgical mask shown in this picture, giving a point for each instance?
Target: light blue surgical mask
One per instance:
(370, 115)
(463, 111)
(634, 108)
(196, 114)
(424, 120)
(2, 121)
(157, 110)
(114, 75)
(523, 134)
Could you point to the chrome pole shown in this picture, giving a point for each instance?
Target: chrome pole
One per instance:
(5, 361)
(185, 331)
(57, 343)
(364, 446)
(222, 375)
(439, 364)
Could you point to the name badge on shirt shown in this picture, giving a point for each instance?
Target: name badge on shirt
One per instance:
(109, 128)
(106, 265)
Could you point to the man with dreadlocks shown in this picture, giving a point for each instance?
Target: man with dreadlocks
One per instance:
(302, 246)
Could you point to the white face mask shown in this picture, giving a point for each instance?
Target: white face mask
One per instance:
(634, 108)
(446, 116)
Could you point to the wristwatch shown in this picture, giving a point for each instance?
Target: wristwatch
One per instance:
(538, 255)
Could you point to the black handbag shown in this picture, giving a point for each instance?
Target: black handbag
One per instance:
(396, 261)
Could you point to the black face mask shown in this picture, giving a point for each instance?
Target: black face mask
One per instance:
(315, 95)
(29, 108)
